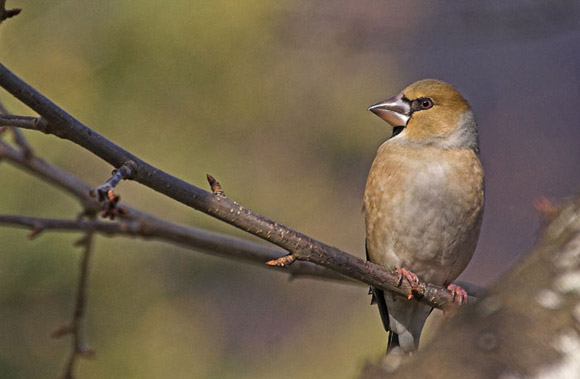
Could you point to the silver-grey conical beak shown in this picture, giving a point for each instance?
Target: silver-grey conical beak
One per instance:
(395, 110)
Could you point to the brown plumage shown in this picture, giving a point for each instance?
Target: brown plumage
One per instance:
(423, 199)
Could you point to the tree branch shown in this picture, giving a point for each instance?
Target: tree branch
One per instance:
(175, 234)
(18, 136)
(187, 237)
(7, 13)
(75, 326)
(301, 246)
(106, 195)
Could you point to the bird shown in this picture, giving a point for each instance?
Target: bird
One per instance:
(423, 201)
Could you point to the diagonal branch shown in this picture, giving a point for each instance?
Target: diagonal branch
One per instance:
(301, 246)
(187, 237)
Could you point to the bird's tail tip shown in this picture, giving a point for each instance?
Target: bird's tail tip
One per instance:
(395, 356)
(393, 343)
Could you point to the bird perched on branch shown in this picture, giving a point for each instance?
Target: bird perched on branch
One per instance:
(423, 200)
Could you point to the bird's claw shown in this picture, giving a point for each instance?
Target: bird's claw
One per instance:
(411, 277)
(459, 294)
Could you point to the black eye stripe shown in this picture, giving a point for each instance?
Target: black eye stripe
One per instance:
(421, 104)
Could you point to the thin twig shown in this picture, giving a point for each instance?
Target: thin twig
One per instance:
(303, 247)
(79, 346)
(18, 136)
(107, 196)
(81, 225)
(53, 175)
(24, 122)
(22, 142)
(189, 238)
(126, 171)
(151, 226)
(193, 239)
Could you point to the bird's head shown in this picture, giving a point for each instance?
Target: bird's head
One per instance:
(430, 112)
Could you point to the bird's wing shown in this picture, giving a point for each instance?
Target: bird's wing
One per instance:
(378, 297)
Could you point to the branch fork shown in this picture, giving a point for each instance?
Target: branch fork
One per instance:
(106, 195)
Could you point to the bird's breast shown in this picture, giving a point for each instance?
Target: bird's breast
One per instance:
(423, 209)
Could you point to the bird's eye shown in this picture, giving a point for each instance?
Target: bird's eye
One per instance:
(425, 103)
(421, 104)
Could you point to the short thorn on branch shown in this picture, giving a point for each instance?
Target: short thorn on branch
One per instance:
(215, 186)
(106, 195)
(83, 241)
(72, 328)
(63, 330)
(7, 13)
(284, 261)
(35, 232)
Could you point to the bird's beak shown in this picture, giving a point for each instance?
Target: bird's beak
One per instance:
(395, 110)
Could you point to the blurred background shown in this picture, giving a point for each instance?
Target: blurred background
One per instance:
(271, 98)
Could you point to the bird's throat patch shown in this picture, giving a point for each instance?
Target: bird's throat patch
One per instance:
(397, 130)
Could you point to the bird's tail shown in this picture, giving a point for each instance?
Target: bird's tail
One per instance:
(392, 342)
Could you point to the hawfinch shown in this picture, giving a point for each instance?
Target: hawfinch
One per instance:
(423, 201)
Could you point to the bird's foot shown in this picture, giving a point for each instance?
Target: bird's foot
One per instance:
(411, 277)
(459, 294)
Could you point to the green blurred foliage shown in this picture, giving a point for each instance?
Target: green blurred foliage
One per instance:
(193, 88)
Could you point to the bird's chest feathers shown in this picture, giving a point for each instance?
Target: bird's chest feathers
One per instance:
(422, 206)
(427, 181)
(420, 180)
(428, 194)
(426, 189)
